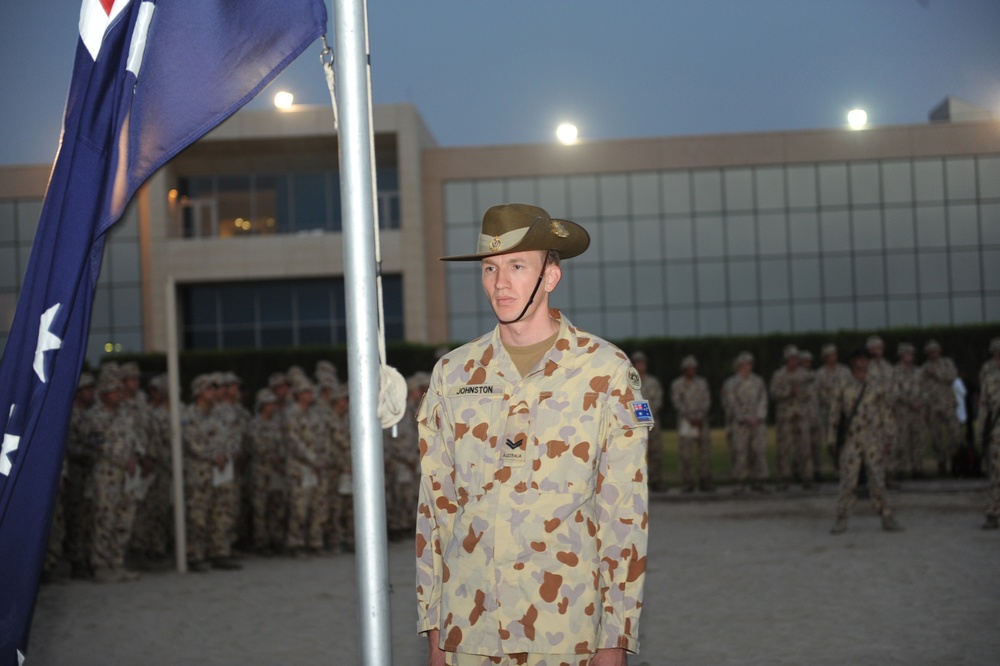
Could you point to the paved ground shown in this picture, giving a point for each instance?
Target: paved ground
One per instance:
(751, 580)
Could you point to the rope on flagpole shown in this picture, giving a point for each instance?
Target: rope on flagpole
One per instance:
(392, 386)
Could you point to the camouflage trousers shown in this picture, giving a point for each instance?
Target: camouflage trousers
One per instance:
(79, 508)
(222, 516)
(687, 448)
(197, 495)
(749, 450)
(869, 452)
(401, 497)
(794, 449)
(993, 506)
(153, 519)
(945, 432)
(308, 510)
(114, 514)
(517, 659)
(910, 436)
(815, 443)
(890, 438)
(334, 532)
(270, 512)
(654, 457)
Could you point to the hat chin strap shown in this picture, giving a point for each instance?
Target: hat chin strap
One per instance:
(531, 300)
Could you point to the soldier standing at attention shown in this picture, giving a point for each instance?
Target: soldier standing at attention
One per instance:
(989, 425)
(652, 391)
(880, 370)
(79, 491)
(829, 377)
(308, 459)
(403, 453)
(908, 405)
(152, 522)
(993, 363)
(856, 409)
(938, 373)
(531, 527)
(691, 399)
(201, 435)
(267, 475)
(746, 407)
(791, 411)
(813, 429)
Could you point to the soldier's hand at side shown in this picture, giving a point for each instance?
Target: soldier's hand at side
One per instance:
(220, 461)
(130, 466)
(435, 655)
(610, 657)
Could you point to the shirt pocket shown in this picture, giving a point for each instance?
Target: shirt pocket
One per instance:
(567, 441)
(477, 420)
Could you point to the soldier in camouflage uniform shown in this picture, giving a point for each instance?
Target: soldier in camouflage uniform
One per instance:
(308, 437)
(745, 402)
(829, 377)
(235, 419)
(908, 406)
(340, 525)
(652, 391)
(224, 489)
(989, 426)
(201, 435)
(116, 473)
(992, 364)
(403, 452)
(937, 374)
(881, 370)
(812, 413)
(531, 526)
(858, 403)
(268, 451)
(691, 399)
(152, 522)
(791, 397)
(79, 490)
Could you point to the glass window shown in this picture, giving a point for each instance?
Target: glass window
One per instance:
(967, 310)
(9, 275)
(899, 228)
(618, 324)
(461, 239)
(935, 312)
(869, 275)
(313, 302)
(615, 240)
(802, 187)
(647, 242)
(125, 265)
(708, 235)
(963, 227)
(681, 323)
(645, 193)
(272, 204)
(127, 307)
(458, 203)
(552, 196)
(774, 280)
(738, 189)
(707, 191)
(991, 306)
(991, 270)
(835, 229)
(804, 231)
(24, 254)
(680, 283)
(650, 323)
(741, 235)
(464, 327)
(582, 196)
(712, 321)
(989, 177)
(965, 274)
(742, 281)
(523, 190)
(871, 314)
(28, 214)
(488, 192)
(807, 317)
(838, 315)
(837, 277)
(932, 271)
(989, 223)
(832, 185)
(309, 203)
(901, 273)
(866, 227)
(464, 292)
(618, 287)
(275, 306)
(234, 207)
(276, 336)
(960, 175)
(864, 183)
(614, 195)
(903, 312)
(931, 229)
(586, 286)
(238, 306)
(8, 223)
(676, 192)
(772, 232)
(897, 182)
(711, 282)
(649, 285)
(101, 314)
(770, 187)
(679, 238)
(744, 320)
(928, 179)
(805, 279)
(776, 318)
(127, 227)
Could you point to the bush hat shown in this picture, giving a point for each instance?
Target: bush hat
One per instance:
(519, 227)
(689, 361)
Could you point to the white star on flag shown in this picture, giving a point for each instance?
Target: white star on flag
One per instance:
(47, 341)
(10, 444)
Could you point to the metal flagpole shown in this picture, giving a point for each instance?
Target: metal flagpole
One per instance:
(176, 453)
(358, 214)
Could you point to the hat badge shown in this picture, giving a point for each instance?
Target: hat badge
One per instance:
(495, 244)
(559, 229)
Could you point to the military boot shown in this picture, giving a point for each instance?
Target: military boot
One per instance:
(991, 523)
(840, 526)
(889, 523)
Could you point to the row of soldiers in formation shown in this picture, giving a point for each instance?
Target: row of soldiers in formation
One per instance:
(277, 480)
(906, 405)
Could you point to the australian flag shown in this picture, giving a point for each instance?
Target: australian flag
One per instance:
(149, 79)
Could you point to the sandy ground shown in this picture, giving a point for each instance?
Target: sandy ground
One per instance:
(748, 580)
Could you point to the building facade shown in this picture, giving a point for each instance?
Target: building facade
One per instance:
(715, 235)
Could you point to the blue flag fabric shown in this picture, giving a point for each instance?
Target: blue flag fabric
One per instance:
(149, 79)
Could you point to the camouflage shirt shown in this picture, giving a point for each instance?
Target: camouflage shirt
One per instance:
(744, 398)
(789, 391)
(863, 428)
(907, 389)
(828, 381)
(691, 399)
(531, 526)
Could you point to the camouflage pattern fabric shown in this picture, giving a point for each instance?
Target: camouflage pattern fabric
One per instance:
(745, 398)
(691, 400)
(200, 433)
(791, 420)
(911, 430)
(989, 407)
(79, 490)
(308, 458)
(828, 383)
(652, 391)
(266, 442)
(862, 444)
(939, 398)
(531, 526)
(114, 508)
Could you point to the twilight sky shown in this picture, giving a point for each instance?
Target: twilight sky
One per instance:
(498, 72)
